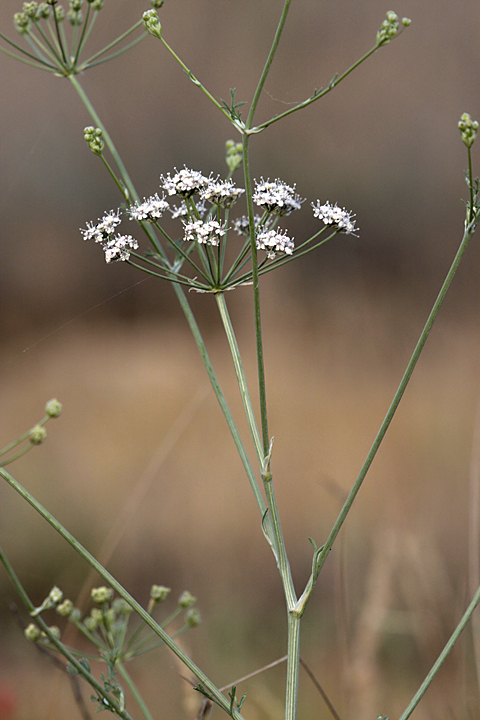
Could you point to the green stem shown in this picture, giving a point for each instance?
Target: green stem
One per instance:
(89, 62)
(183, 304)
(108, 140)
(389, 416)
(220, 396)
(197, 82)
(242, 382)
(281, 554)
(256, 298)
(120, 590)
(134, 690)
(293, 663)
(318, 93)
(268, 64)
(442, 657)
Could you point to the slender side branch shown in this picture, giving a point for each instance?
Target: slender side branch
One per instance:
(322, 555)
(442, 657)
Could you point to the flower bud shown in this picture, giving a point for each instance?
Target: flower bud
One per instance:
(37, 435)
(186, 600)
(65, 608)
(53, 408)
(159, 593)
(101, 594)
(152, 23)
(22, 23)
(121, 607)
(193, 617)
(32, 632)
(468, 129)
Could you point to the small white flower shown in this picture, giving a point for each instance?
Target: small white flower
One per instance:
(335, 215)
(105, 227)
(184, 182)
(181, 211)
(242, 226)
(118, 248)
(205, 233)
(275, 241)
(277, 197)
(151, 209)
(109, 222)
(223, 193)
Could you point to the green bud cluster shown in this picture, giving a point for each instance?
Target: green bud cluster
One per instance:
(157, 3)
(389, 28)
(93, 137)
(101, 595)
(468, 129)
(152, 23)
(193, 617)
(186, 600)
(96, 4)
(32, 632)
(65, 608)
(159, 593)
(22, 23)
(233, 154)
(37, 435)
(30, 9)
(53, 408)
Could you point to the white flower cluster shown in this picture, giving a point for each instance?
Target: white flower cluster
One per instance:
(184, 182)
(223, 193)
(151, 209)
(274, 241)
(115, 247)
(277, 197)
(335, 215)
(182, 211)
(205, 233)
(242, 225)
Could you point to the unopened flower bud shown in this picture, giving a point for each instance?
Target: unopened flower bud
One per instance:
(186, 600)
(43, 11)
(468, 129)
(157, 3)
(159, 593)
(37, 435)
(55, 632)
(101, 594)
(121, 607)
(59, 13)
(110, 617)
(65, 608)
(53, 408)
(90, 623)
(74, 17)
(93, 137)
(152, 23)
(30, 9)
(193, 617)
(406, 22)
(21, 22)
(32, 632)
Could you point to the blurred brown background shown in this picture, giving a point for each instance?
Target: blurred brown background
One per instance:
(339, 328)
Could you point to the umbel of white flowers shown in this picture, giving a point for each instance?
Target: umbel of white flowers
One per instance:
(274, 197)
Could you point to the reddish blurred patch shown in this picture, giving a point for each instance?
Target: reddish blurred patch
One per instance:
(8, 702)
